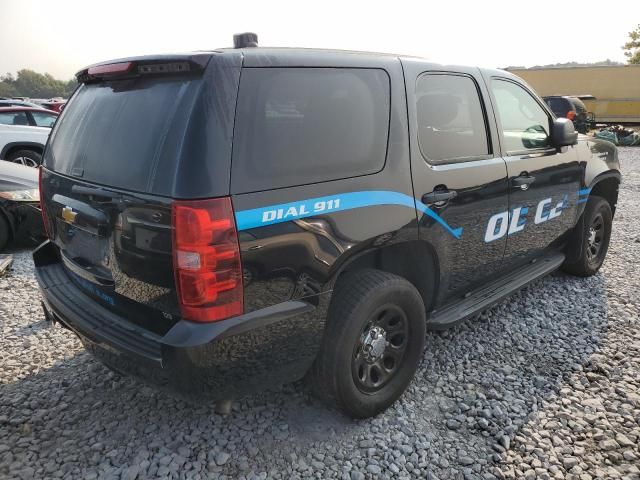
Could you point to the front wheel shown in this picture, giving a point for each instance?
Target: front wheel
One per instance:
(373, 342)
(596, 233)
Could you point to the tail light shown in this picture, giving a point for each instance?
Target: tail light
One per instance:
(206, 259)
(45, 221)
(571, 115)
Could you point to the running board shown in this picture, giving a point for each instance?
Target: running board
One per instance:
(483, 298)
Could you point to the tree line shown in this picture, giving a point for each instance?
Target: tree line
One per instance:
(28, 83)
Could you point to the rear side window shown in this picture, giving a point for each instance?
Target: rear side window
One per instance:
(296, 126)
(451, 124)
(44, 119)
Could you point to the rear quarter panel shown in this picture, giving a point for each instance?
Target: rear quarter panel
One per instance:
(300, 258)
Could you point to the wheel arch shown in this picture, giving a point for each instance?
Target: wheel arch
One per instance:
(606, 185)
(14, 146)
(400, 259)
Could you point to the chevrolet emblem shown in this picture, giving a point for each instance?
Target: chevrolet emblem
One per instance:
(68, 215)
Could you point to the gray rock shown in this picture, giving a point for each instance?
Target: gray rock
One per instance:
(222, 458)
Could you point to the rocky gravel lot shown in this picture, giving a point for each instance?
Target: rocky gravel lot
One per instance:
(545, 385)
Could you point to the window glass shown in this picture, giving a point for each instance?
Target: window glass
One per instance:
(123, 126)
(44, 119)
(451, 123)
(304, 125)
(525, 124)
(14, 118)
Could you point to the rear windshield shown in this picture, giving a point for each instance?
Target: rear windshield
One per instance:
(127, 133)
(297, 126)
(559, 106)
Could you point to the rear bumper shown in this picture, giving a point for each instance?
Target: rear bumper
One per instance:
(224, 359)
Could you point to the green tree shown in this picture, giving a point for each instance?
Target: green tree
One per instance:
(32, 84)
(632, 47)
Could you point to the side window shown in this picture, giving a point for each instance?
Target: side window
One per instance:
(44, 119)
(451, 123)
(296, 126)
(525, 124)
(14, 118)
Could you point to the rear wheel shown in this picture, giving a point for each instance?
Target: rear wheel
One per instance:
(373, 343)
(596, 233)
(30, 158)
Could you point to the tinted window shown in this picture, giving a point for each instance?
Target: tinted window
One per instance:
(303, 125)
(14, 118)
(44, 119)
(451, 122)
(525, 124)
(559, 106)
(124, 133)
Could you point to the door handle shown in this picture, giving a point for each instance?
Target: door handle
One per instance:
(523, 181)
(438, 196)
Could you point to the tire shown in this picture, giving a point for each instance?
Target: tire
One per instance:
(4, 232)
(355, 372)
(29, 158)
(596, 233)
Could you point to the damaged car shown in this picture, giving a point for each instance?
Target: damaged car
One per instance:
(20, 217)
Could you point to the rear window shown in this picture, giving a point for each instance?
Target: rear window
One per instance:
(297, 126)
(559, 106)
(125, 133)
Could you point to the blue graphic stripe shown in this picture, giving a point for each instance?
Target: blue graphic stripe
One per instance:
(582, 200)
(284, 212)
(584, 191)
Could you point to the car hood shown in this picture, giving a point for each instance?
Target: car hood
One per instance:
(14, 176)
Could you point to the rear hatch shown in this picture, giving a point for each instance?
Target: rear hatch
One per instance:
(136, 135)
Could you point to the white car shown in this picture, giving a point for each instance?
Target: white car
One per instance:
(23, 144)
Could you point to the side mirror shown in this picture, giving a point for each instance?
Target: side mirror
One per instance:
(563, 133)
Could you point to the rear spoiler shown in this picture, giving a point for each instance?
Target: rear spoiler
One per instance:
(144, 66)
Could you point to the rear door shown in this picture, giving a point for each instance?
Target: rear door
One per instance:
(459, 177)
(119, 154)
(543, 180)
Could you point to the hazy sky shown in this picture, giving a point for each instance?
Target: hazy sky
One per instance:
(62, 36)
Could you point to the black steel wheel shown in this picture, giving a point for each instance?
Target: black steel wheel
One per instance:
(373, 342)
(380, 351)
(593, 239)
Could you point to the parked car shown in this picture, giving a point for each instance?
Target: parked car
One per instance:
(432, 191)
(55, 104)
(23, 144)
(572, 108)
(20, 216)
(34, 117)
(14, 102)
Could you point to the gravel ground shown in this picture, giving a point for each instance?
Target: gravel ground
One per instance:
(545, 385)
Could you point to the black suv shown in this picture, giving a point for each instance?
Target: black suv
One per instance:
(572, 108)
(226, 221)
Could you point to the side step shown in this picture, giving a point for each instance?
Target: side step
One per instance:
(492, 293)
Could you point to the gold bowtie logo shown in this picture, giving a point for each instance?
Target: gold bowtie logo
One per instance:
(69, 215)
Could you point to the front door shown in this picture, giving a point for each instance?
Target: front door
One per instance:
(543, 180)
(459, 177)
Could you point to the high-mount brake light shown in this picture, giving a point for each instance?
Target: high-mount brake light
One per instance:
(45, 221)
(110, 69)
(175, 67)
(206, 259)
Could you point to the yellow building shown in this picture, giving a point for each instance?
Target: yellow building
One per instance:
(616, 88)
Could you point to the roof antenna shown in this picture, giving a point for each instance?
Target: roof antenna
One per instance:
(244, 40)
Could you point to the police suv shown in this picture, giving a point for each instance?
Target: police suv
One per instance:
(226, 221)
